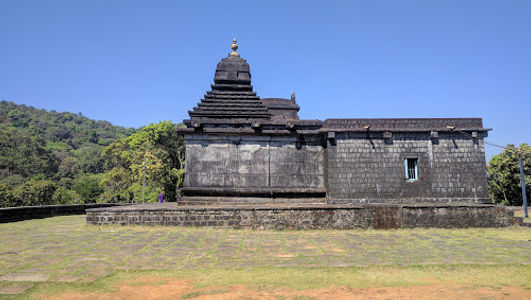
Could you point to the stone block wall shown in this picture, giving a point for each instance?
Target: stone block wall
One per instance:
(352, 166)
(12, 214)
(266, 162)
(368, 168)
(378, 216)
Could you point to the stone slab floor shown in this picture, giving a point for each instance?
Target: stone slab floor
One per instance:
(66, 249)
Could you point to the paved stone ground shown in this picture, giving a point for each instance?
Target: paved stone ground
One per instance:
(66, 249)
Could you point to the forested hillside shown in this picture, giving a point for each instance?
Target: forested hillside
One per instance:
(50, 157)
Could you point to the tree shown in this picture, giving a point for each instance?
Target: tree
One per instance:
(25, 154)
(69, 167)
(34, 192)
(65, 196)
(38, 148)
(504, 175)
(87, 186)
(6, 196)
(157, 152)
(89, 159)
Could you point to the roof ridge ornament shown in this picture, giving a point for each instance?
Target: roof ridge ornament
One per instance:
(234, 47)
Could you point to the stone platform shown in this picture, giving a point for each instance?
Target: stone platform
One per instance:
(306, 216)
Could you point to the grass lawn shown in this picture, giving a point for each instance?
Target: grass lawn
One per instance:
(65, 256)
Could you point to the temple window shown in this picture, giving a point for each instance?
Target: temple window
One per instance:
(411, 168)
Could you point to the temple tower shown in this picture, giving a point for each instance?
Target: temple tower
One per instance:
(241, 149)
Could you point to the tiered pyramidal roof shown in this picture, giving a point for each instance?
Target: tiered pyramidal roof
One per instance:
(232, 94)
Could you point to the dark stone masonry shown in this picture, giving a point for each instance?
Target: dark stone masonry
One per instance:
(378, 216)
(21, 213)
(243, 149)
(253, 163)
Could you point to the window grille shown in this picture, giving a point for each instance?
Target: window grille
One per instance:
(411, 168)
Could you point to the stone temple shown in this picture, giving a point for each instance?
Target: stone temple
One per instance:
(244, 149)
(253, 163)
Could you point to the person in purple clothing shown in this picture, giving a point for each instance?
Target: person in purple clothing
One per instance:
(161, 197)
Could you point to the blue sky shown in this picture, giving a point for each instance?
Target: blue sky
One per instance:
(137, 62)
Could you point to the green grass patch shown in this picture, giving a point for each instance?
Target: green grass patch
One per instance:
(362, 277)
(110, 256)
(202, 293)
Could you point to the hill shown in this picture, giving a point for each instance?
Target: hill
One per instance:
(50, 157)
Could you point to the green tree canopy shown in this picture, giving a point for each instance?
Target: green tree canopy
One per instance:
(39, 147)
(504, 175)
(87, 186)
(25, 154)
(34, 192)
(156, 152)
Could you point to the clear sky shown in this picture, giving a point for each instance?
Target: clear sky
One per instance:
(137, 62)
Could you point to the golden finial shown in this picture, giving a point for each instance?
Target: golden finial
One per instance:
(234, 48)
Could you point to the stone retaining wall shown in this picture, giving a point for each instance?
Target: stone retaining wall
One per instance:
(12, 214)
(308, 217)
